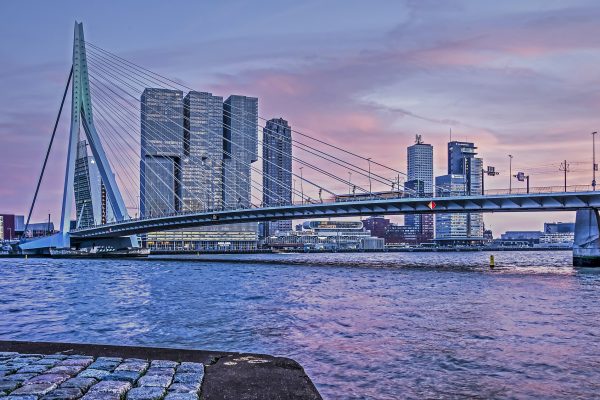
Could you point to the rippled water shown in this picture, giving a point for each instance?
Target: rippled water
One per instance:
(385, 326)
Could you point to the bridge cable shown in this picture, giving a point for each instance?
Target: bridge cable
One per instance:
(39, 182)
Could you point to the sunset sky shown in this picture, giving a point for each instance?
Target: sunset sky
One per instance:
(515, 77)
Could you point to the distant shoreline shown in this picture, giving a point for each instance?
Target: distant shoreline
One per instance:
(251, 252)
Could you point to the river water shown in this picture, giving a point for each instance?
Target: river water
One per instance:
(364, 326)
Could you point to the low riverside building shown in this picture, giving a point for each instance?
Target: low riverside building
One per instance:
(326, 235)
(213, 238)
(555, 234)
(12, 227)
(520, 238)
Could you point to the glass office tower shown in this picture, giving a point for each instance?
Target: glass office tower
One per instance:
(277, 171)
(162, 151)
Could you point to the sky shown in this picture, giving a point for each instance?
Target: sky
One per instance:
(515, 77)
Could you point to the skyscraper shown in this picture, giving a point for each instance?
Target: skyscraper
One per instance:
(91, 205)
(162, 150)
(464, 178)
(420, 182)
(420, 164)
(277, 170)
(240, 144)
(451, 226)
(202, 166)
(462, 161)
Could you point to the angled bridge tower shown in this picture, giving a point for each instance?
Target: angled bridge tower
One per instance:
(82, 116)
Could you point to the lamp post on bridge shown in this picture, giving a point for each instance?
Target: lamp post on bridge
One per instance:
(564, 167)
(349, 182)
(522, 177)
(594, 165)
(301, 186)
(510, 157)
(489, 171)
(370, 187)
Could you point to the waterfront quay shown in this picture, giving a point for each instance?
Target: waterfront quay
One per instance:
(66, 371)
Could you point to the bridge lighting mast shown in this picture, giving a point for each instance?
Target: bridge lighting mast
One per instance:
(564, 167)
(349, 182)
(490, 171)
(370, 187)
(594, 165)
(510, 157)
(301, 186)
(522, 177)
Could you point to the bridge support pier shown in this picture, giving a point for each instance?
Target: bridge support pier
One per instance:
(586, 248)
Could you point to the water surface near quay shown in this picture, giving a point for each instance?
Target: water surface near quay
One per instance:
(364, 326)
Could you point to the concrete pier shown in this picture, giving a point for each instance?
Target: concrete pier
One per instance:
(67, 371)
(586, 247)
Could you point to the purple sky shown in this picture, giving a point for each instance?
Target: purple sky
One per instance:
(515, 77)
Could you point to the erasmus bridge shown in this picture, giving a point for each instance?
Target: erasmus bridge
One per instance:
(336, 182)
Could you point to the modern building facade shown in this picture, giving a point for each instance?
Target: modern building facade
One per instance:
(240, 150)
(217, 238)
(277, 171)
(186, 145)
(91, 204)
(240, 144)
(202, 166)
(419, 226)
(162, 151)
(451, 226)
(327, 235)
(12, 227)
(464, 178)
(420, 164)
(420, 182)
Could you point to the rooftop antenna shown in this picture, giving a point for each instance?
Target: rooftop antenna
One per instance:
(450, 134)
(418, 139)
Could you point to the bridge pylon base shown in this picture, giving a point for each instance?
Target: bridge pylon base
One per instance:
(586, 247)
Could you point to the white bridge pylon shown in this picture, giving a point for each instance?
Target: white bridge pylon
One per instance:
(81, 115)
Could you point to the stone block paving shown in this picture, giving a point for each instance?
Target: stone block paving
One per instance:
(70, 377)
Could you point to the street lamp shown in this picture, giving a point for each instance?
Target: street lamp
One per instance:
(594, 165)
(349, 182)
(370, 187)
(510, 157)
(522, 177)
(490, 171)
(293, 191)
(301, 186)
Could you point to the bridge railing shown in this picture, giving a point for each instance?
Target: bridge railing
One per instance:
(540, 190)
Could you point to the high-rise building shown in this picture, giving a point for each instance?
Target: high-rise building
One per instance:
(186, 144)
(451, 226)
(420, 183)
(277, 171)
(240, 147)
(462, 161)
(91, 205)
(240, 144)
(463, 179)
(162, 150)
(202, 166)
(420, 164)
(421, 225)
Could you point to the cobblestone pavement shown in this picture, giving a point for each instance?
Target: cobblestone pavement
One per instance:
(58, 376)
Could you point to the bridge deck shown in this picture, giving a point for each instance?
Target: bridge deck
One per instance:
(556, 201)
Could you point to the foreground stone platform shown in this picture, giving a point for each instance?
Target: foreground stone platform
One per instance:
(53, 371)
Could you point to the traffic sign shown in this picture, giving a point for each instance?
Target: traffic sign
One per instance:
(431, 205)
